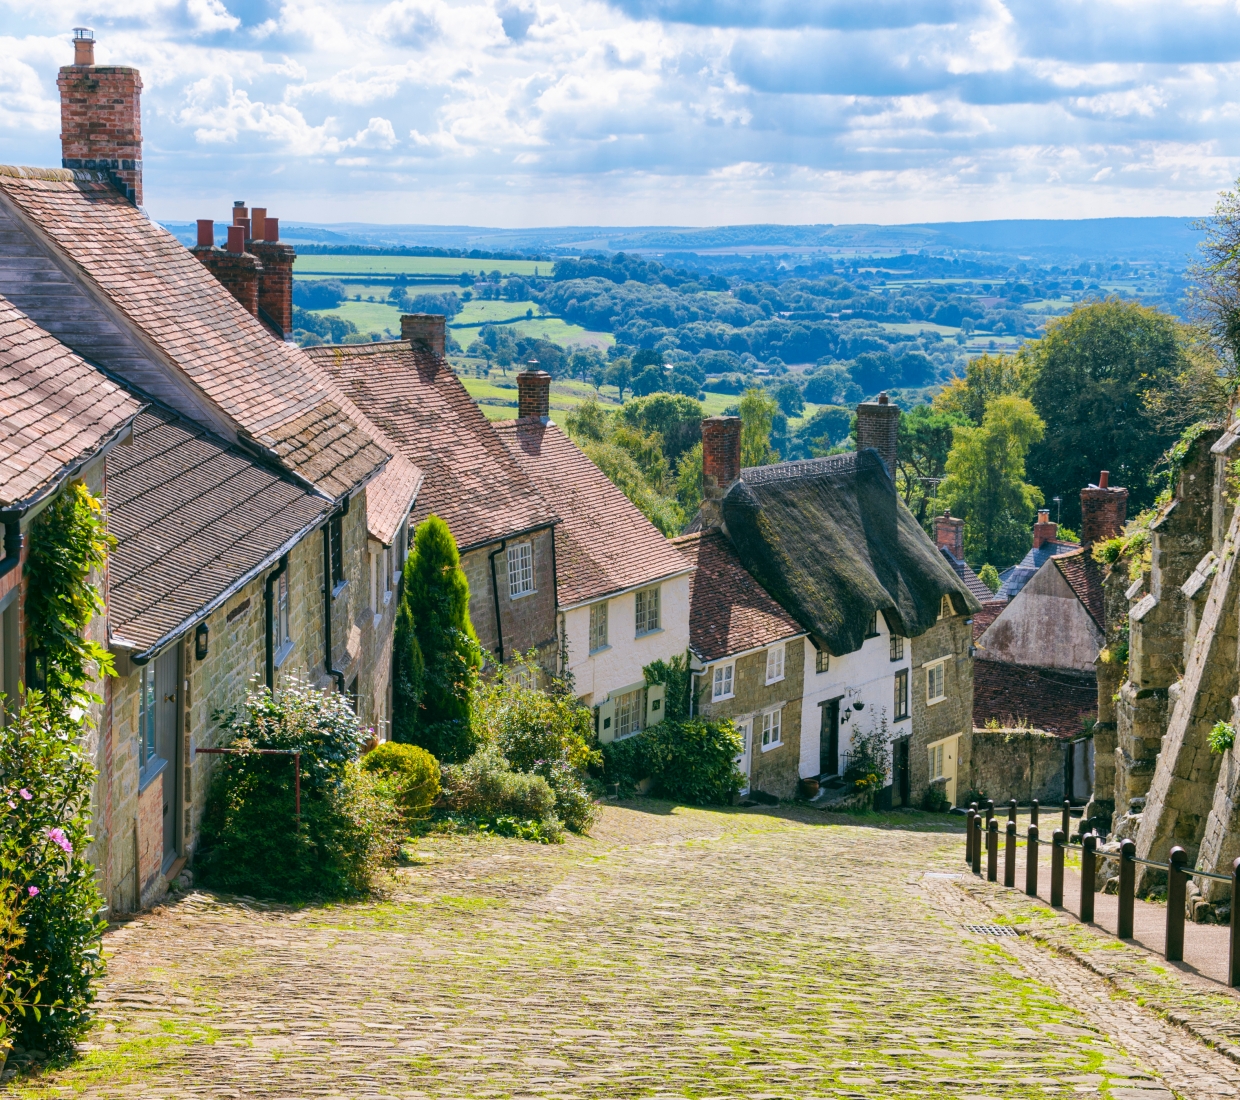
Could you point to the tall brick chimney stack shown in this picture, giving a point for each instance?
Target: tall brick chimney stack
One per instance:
(949, 534)
(1103, 510)
(101, 117)
(1044, 530)
(721, 465)
(236, 268)
(275, 280)
(428, 331)
(534, 395)
(878, 423)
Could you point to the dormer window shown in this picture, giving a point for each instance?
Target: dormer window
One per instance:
(946, 611)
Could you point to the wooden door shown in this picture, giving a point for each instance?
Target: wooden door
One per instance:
(829, 738)
(900, 784)
(167, 712)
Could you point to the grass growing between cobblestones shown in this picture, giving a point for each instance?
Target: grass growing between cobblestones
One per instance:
(676, 953)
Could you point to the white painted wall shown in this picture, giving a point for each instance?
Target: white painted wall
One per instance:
(868, 676)
(620, 664)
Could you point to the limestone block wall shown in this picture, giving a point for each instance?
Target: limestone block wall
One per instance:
(952, 637)
(1018, 763)
(1111, 673)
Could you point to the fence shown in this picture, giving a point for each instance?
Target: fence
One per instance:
(1178, 874)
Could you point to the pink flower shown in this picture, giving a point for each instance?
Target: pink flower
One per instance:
(33, 891)
(57, 837)
(25, 794)
(12, 804)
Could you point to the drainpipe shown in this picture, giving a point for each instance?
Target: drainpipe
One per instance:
(499, 629)
(268, 589)
(327, 608)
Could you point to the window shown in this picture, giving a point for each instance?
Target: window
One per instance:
(598, 626)
(772, 729)
(822, 660)
(774, 664)
(936, 762)
(721, 685)
(936, 684)
(897, 647)
(871, 631)
(647, 611)
(901, 700)
(374, 582)
(335, 539)
(946, 611)
(520, 570)
(146, 715)
(629, 710)
(388, 573)
(283, 637)
(523, 676)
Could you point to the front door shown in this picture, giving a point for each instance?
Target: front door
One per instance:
(900, 795)
(829, 738)
(167, 711)
(745, 729)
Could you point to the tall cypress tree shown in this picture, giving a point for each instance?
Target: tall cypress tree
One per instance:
(439, 655)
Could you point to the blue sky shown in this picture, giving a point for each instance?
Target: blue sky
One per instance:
(693, 112)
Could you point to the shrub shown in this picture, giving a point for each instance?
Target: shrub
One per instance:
(868, 757)
(1222, 737)
(252, 842)
(51, 914)
(692, 761)
(485, 787)
(410, 773)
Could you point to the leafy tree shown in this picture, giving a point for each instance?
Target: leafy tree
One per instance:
(789, 398)
(689, 480)
(437, 594)
(619, 374)
(676, 418)
(757, 415)
(985, 377)
(989, 576)
(650, 379)
(623, 471)
(408, 673)
(1215, 299)
(985, 481)
(923, 442)
(832, 385)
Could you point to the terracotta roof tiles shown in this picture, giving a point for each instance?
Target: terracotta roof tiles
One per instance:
(1084, 576)
(1052, 699)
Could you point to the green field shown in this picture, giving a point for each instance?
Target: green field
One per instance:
(479, 312)
(353, 266)
(368, 316)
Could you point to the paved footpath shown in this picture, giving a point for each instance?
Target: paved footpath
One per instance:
(677, 953)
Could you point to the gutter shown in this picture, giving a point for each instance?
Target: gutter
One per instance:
(268, 586)
(491, 539)
(499, 628)
(335, 673)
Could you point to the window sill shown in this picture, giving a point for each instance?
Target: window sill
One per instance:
(777, 680)
(723, 698)
(387, 598)
(901, 718)
(339, 587)
(648, 633)
(940, 699)
(377, 620)
(153, 770)
(281, 654)
(513, 597)
(773, 745)
(601, 649)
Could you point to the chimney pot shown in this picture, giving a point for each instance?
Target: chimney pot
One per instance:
(206, 233)
(949, 534)
(428, 331)
(271, 229)
(1044, 531)
(83, 46)
(258, 220)
(244, 224)
(1103, 478)
(878, 426)
(534, 395)
(882, 398)
(236, 238)
(1103, 510)
(240, 212)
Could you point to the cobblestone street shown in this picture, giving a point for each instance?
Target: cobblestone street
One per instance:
(676, 953)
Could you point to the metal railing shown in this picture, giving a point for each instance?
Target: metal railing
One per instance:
(1178, 874)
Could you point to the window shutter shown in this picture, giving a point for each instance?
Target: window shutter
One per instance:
(655, 695)
(606, 721)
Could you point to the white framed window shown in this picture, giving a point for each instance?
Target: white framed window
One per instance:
(520, 570)
(936, 761)
(722, 682)
(146, 715)
(630, 708)
(374, 581)
(647, 601)
(598, 626)
(772, 729)
(524, 676)
(775, 663)
(389, 574)
(283, 636)
(936, 682)
(946, 611)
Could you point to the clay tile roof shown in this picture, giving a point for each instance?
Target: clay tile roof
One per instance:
(1051, 699)
(472, 482)
(193, 517)
(56, 410)
(264, 385)
(729, 612)
(1085, 578)
(987, 614)
(603, 544)
(965, 572)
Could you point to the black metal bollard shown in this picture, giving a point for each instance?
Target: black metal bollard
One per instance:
(1233, 950)
(1067, 819)
(990, 811)
(992, 851)
(1173, 945)
(1012, 810)
(1031, 863)
(968, 833)
(1089, 845)
(1009, 856)
(1127, 888)
(977, 845)
(1033, 812)
(1058, 840)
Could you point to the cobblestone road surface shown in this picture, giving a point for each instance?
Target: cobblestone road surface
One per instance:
(677, 953)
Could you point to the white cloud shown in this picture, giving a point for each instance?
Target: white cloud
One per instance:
(211, 15)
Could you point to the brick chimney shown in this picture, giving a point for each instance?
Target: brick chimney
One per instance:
(878, 423)
(101, 117)
(236, 268)
(428, 331)
(534, 395)
(721, 465)
(1044, 531)
(1103, 510)
(949, 534)
(275, 280)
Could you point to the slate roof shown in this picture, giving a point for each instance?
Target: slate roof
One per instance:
(1019, 575)
(729, 612)
(56, 410)
(194, 517)
(1084, 576)
(832, 542)
(603, 544)
(1051, 699)
(965, 572)
(472, 482)
(176, 309)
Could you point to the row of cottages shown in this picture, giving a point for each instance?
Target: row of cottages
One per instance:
(260, 516)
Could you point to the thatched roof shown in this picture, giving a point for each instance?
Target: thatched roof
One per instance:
(830, 539)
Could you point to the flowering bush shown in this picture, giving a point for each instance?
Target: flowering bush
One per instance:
(51, 913)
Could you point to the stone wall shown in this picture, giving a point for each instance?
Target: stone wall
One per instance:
(1017, 763)
(951, 637)
(1111, 673)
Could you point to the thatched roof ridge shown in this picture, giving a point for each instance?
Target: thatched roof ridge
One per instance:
(832, 542)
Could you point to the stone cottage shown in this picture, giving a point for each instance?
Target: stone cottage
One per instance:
(244, 499)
